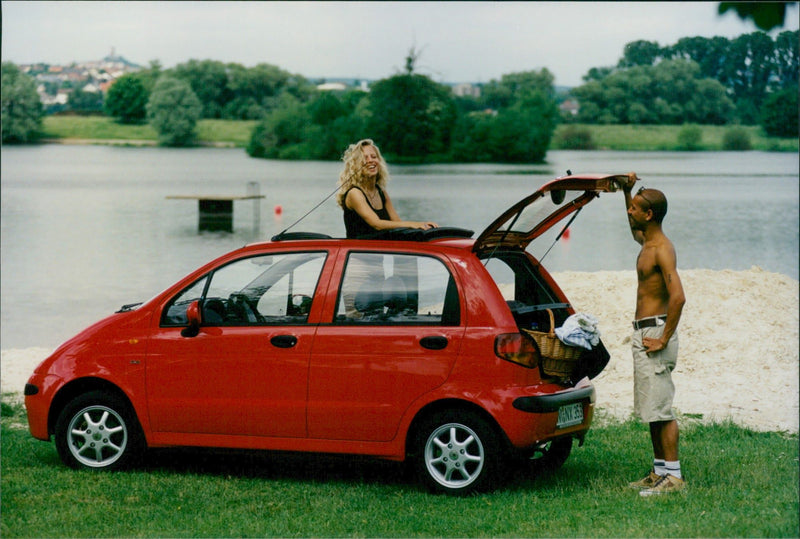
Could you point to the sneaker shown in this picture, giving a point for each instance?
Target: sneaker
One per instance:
(648, 482)
(665, 485)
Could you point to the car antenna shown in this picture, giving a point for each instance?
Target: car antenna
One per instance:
(308, 212)
(285, 230)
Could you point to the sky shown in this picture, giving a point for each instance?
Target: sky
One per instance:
(456, 41)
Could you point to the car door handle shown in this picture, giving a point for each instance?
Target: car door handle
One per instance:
(433, 343)
(283, 341)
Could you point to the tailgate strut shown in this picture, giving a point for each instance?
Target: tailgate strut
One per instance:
(561, 233)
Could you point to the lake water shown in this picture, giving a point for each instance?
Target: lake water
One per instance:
(86, 229)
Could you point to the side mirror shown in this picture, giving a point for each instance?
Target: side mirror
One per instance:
(194, 318)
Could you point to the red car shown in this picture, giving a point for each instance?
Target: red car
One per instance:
(409, 346)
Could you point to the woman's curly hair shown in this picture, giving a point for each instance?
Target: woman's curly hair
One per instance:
(353, 173)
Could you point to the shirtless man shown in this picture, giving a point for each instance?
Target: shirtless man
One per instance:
(659, 302)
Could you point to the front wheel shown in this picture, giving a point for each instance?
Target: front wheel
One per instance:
(97, 431)
(458, 453)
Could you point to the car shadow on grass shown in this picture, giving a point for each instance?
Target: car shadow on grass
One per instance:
(273, 465)
(329, 468)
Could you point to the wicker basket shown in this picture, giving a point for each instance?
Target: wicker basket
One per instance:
(558, 359)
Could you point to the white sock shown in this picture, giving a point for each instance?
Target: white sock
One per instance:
(674, 468)
(659, 466)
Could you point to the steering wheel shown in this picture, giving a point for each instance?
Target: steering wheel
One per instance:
(241, 301)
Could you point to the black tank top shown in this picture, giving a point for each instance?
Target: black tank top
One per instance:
(355, 226)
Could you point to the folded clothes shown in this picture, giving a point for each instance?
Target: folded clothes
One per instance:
(580, 329)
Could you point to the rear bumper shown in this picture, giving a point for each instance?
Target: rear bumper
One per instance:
(551, 402)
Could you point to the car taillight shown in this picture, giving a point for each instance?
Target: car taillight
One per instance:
(517, 348)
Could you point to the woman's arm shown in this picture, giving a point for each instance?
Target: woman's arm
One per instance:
(357, 201)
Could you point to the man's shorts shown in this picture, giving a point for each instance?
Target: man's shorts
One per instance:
(653, 390)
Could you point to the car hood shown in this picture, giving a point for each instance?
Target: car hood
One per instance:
(537, 213)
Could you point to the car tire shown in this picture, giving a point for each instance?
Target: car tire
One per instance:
(458, 453)
(551, 455)
(98, 431)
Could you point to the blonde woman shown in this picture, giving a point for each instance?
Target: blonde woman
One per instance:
(362, 193)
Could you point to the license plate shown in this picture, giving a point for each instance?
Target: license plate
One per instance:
(569, 415)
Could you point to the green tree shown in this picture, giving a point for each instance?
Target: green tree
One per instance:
(709, 53)
(173, 111)
(670, 92)
(126, 100)
(282, 133)
(786, 56)
(81, 101)
(209, 82)
(256, 91)
(411, 116)
(325, 108)
(779, 113)
(21, 108)
(640, 53)
(749, 67)
(515, 86)
(522, 133)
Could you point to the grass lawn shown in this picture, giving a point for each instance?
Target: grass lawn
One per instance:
(741, 483)
(102, 128)
(237, 134)
(665, 137)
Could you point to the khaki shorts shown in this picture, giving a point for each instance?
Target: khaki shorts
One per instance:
(653, 390)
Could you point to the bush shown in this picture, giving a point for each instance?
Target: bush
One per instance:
(779, 113)
(575, 138)
(736, 139)
(690, 137)
(173, 111)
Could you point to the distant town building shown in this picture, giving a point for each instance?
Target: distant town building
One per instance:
(467, 89)
(342, 85)
(332, 87)
(56, 82)
(569, 106)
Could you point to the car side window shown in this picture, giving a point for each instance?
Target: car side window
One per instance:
(390, 288)
(523, 289)
(516, 280)
(261, 290)
(175, 313)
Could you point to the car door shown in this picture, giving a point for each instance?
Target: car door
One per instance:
(245, 371)
(396, 330)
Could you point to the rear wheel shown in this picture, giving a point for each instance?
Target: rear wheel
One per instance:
(98, 431)
(458, 453)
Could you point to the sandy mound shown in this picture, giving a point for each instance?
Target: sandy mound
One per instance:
(738, 353)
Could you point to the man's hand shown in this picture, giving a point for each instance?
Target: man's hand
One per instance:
(652, 345)
(627, 185)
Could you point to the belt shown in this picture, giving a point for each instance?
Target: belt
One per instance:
(649, 322)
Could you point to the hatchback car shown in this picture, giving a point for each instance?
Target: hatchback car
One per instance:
(410, 346)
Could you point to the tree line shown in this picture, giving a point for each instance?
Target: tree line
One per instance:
(751, 79)
(696, 80)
